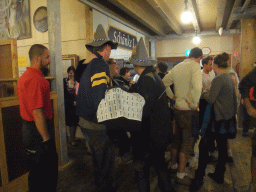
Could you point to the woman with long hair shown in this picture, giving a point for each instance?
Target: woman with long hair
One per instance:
(223, 100)
(70, 104)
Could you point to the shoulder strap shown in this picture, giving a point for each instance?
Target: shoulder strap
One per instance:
(161, 94)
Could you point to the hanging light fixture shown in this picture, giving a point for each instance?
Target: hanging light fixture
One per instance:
(186, 15)
(220, 30)
(196, 39)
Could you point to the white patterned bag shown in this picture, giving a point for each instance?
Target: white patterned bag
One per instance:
(121, 110)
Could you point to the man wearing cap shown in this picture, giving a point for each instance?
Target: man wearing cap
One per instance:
(187, 80)
(93, 84)
(149, 144)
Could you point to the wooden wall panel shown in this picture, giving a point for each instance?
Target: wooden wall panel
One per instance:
(13, 167)
(248, 48)
(89, 27)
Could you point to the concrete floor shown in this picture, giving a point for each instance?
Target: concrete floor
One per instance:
(76, 176)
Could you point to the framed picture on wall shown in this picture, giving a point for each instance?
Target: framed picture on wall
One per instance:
(67, 61)
(15, 19)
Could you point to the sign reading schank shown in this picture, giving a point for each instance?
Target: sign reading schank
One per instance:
(124, 40)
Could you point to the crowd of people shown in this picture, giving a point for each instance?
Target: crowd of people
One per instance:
(182, 106)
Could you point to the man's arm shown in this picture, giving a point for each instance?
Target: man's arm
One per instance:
(211, 96)
(244, 87)
(99, 80)
(41, 124)
(246, 83)
(196, 80)
(167, 80)
(250, 109)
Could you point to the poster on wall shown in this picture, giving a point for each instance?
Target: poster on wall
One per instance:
(15, 19)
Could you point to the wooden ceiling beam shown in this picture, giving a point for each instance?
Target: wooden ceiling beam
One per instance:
(140, 14)
(230, 20)
(192, 6)
(165, 12)
(225, 8)
(99, 7)
(220, 13)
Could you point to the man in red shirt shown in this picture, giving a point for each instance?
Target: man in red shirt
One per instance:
(36, 111)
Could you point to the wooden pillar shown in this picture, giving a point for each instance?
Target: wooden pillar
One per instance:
(236, 48)
(89, 27)
(248, 45)
(55, 48)
(147, 43)
(153, 49)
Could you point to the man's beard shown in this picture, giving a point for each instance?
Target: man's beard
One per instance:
(44, 69)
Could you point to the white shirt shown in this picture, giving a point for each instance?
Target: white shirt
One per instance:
(187, 80)
(207, 79)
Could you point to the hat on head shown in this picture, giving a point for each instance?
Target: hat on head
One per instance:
(140, 55)
(100, 38)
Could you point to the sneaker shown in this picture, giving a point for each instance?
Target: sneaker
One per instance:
(217, 178)
(196, 184)
(185, 181)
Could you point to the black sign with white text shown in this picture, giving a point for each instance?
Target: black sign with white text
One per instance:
(123, 39)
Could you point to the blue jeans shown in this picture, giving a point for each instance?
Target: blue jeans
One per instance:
(103, 157)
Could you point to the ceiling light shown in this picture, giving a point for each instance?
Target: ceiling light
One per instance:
(186, 15)
(220, 30)
(196, 40)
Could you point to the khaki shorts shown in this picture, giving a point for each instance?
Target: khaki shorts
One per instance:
(183, 140)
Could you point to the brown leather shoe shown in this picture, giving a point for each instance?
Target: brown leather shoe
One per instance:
(185, 181)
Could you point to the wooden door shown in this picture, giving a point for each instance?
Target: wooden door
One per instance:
(8, 67)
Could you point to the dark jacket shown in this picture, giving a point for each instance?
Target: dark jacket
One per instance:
(69, 94)
(125, 80)
(156, 124)
(246, 83)
(161, 75)
(93, 84)
(79, 70)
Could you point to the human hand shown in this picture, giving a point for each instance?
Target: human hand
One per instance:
(191, 107)
(205, 90)
(251, 111)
